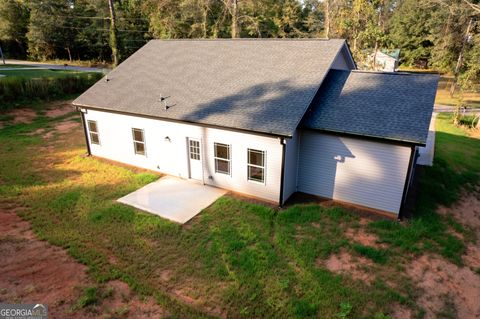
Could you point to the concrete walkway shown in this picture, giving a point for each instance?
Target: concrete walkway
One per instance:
(426, 153)
(173, 198)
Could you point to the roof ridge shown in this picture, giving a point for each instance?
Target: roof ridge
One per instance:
(408, 73)
(245, 39)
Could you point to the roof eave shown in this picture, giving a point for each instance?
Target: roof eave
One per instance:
(96, 108)
(373, 137)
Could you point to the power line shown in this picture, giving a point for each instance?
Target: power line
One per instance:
(101, 18)
(97, 29)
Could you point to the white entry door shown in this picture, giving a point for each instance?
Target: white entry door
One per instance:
(195, 158)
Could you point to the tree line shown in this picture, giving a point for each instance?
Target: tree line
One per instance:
(439, 34)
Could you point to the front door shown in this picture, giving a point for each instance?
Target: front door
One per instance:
(195, 158)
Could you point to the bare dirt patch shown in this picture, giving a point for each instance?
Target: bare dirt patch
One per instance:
(61, 127)
(125, 304)
(444, 283)
(345, 263)
(66, 126)
(35, 271)
(401, 312)
(466, 210)
(472, 256)
(360, 235)
(24, 116)
(60, 108)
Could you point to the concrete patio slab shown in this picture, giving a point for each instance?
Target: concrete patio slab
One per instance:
(172, 198)
(426, 153)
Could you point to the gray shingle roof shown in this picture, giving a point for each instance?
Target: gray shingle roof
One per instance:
(257, 85)
(394, 106)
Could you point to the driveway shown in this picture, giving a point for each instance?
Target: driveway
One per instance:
(173, 198)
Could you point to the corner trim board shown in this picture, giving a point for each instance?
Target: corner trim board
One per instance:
(407, 182)
(85, 132)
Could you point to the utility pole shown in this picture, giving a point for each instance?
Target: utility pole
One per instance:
(113, 33)
(1, 54)
(234, 12)
(326, 4)
(460, 57)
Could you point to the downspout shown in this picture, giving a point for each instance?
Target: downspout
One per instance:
(407, 182)
(85, 132)
(282, 175)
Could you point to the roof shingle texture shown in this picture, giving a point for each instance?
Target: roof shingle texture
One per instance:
(257, 85)
(394, 106)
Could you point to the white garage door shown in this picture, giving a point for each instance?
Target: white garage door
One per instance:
(353, 170)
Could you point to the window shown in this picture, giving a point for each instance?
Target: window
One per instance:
(93, 129)
(256, 165)
(138, 141)
(222, 158)
(194, 149)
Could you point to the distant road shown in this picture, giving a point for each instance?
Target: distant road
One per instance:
(40, 65)
(448, 108)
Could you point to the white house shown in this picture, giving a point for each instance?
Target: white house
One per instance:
(385, 60)
(263, 117)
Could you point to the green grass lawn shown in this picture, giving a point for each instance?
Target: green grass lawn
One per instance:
(41, 73)
(236, 258)
(470, 99)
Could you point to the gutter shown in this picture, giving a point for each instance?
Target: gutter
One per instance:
(85, 132)
(366, 136)
(282, 175)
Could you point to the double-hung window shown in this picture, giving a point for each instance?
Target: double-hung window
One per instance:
(93, 131)
(138, 141)
(222, 158)
(256, 165)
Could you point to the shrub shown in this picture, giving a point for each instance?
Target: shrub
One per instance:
(16, 89)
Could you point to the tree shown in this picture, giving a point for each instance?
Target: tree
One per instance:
(411, 30)
(14, 16)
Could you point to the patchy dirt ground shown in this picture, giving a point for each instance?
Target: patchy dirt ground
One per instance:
(345, 263)
(22, 116)
(446, 288)
(466, 211)
(35, 271)
(59, 108)
(360, 235)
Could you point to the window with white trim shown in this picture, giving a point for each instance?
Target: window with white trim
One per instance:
(93, 131)
(138, 141)
(222, 158)
(256, 165)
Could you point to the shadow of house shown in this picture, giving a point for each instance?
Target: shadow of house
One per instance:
(318, 172)
(266, 107)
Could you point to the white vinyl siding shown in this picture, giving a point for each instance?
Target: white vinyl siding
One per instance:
(354, 170)
(291, 166)
(170, 155)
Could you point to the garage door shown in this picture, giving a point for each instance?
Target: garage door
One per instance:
(353, 170)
